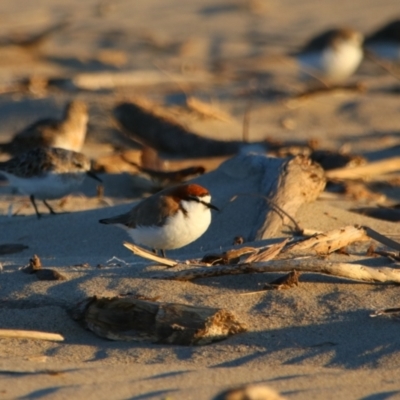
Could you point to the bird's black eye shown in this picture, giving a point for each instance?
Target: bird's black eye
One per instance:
(79, 165)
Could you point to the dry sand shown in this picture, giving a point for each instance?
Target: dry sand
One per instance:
(314, 341)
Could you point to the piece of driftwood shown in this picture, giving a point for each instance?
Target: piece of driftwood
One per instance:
(299, 181)
(132, 319)
(327, 242)
(22, 334)
(320, 244)
(250, 392)
(356, 272)
(43, 274)
(139, 251)
(388, 312)
(111, 80)
(167, 135)
(366, 171)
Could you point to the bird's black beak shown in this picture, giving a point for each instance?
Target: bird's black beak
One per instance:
(93, 175)
(209, 205)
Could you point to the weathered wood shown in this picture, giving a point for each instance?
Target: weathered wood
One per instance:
(323, 243)
(22, 334)
(299, 181)
(326, 243)
(365, 171)
(355, 272)
(129, 319)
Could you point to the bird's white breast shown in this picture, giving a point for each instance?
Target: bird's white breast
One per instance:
(47, 186)
(179, 229)
(341, 62)
(333, 63)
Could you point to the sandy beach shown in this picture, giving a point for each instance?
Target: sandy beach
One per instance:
(314, 341)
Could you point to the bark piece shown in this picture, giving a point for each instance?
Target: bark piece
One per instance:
(43, 274)
(129, 318)
(284, 282)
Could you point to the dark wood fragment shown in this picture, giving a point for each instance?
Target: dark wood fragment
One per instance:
(284, 282)
(129, 318)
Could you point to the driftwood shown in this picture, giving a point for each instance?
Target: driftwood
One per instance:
(132, 319)
(112, 80)
(367, 170)
(168, 135)
(299, 181)
(328, 242)
(21, 334)
(250, 392)
(320, 244)
(355, 272)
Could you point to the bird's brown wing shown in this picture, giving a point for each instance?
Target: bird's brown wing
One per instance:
(152, 211)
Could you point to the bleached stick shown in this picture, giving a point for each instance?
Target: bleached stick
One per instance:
(150, 256)
(21, 334)
(365, 171)
(355, 272)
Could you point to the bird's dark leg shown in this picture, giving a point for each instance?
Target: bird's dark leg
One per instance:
(161, 251)
(32, 199)
(49, 207)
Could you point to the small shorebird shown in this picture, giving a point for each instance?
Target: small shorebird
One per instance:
(169, 219)
(333, 55)
(68, 133)
(47, 173)
(385, 42)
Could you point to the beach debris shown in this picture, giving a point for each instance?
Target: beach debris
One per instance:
(12, 248)
(368, 170)
(228, 257)
(388, 312)
(131, 319)
(302, 256)
(43, 274)
(250, 392)
(284, 282)
(23, 334)
(141, 252)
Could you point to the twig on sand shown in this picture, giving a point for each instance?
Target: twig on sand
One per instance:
(365, 171)
(138, 251)
(22, 334)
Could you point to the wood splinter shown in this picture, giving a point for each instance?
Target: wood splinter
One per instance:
(22, 334)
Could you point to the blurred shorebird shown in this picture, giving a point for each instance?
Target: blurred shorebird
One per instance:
(332, 56)
(47, 173)
(67, 133)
